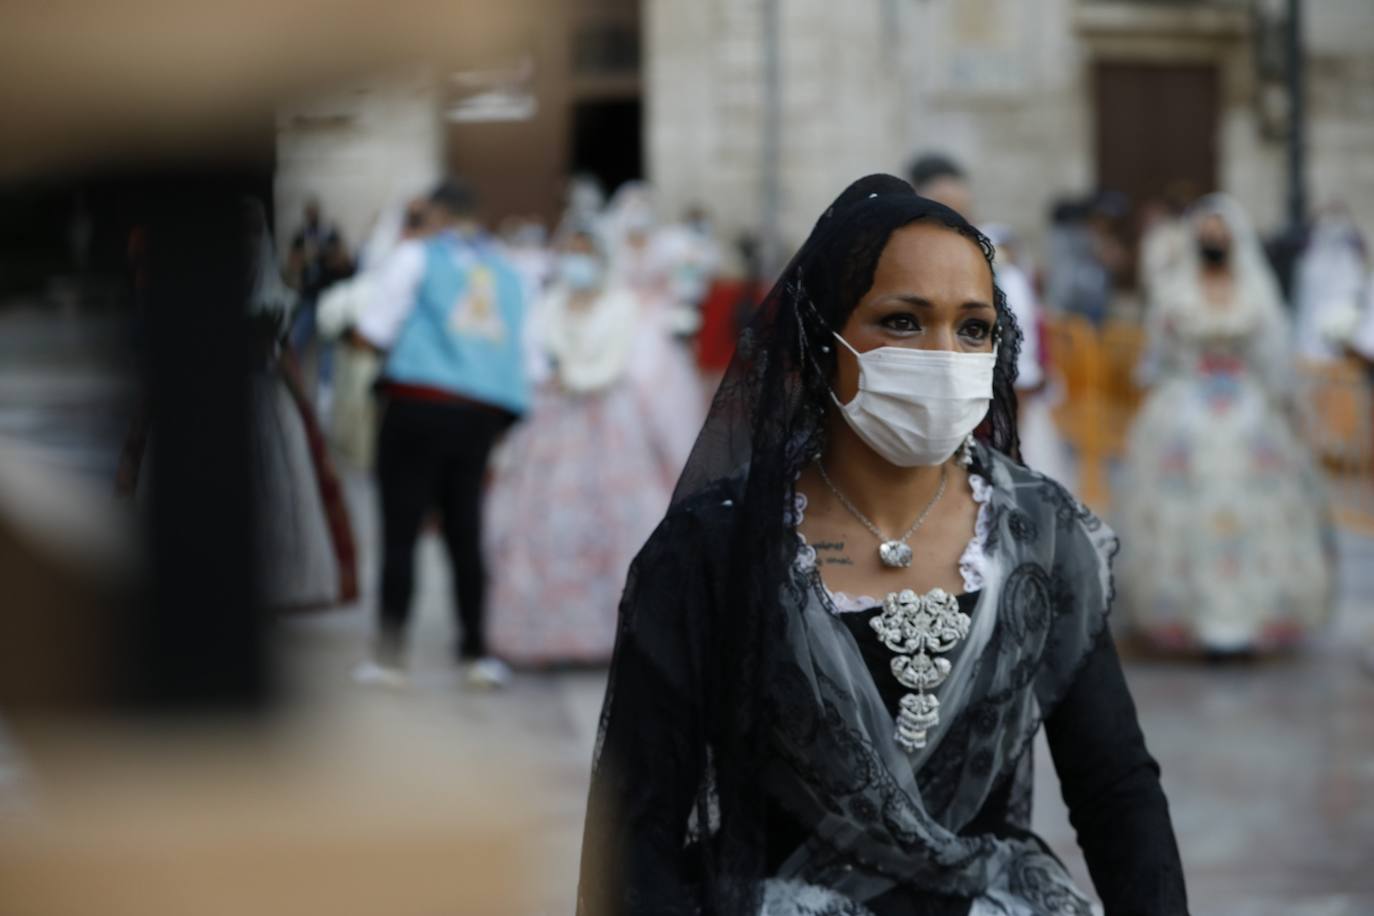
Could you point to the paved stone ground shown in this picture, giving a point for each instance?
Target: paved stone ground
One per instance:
(1269, 767)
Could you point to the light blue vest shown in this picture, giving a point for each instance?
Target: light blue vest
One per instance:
(464, 334)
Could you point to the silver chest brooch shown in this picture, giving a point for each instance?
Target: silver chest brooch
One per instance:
(917, 627)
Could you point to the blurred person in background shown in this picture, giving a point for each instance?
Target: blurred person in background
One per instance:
(1106, 211)
(1361, 346)
(1165, 239)
(1079, 278)
(1223, 515)
(1361, 343)
(305, 537)
(449, 312)
(525, 243)
(775, 742)
(581, 483)
(584, 205)
(317, 259)
(353, 416)
(1329, 285)
(405, 218)
(941, 179)
(307, 556)
(660, 362)
(730, 302)
(1042, 448)
(694, 258)
(629, 226)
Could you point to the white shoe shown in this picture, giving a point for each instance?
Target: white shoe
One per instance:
(371, 673)
(486, 673)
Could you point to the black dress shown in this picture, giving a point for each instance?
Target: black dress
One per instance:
(1108, 778)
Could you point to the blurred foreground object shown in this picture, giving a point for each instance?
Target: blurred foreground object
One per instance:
(89, 81)
(159, 822)
(67, 561)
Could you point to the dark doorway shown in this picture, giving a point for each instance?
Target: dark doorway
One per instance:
(1156, 134)
(606, 140)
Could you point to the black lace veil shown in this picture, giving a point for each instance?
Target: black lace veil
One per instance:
(701, 615)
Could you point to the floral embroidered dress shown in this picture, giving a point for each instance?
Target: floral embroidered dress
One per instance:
(1222, 515)
(578, 486)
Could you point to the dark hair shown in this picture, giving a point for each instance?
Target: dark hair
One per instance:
(931, 167)
(1067, 209)
(455, 196)
(414, 215)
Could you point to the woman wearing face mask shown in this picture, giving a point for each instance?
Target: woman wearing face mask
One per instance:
(1224, 521)
(837, 647)
(580, 483)
(640, 258)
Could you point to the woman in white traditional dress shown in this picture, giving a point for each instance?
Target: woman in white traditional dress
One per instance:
(642, 260)
(1328, 294)
(1329, 286)
(1223, 515)
(581, 482)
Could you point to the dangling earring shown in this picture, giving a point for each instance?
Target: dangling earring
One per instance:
(966, 452)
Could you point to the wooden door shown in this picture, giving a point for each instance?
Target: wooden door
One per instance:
(1157, 127)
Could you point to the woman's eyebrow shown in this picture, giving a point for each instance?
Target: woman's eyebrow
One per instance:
(911, 299)
(921, 301)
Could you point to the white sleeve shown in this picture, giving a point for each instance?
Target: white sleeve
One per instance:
(533, 343)
(1021, 301)
(1362, 342)
(393, 295)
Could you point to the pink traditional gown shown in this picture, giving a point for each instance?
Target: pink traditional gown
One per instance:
(579, 486)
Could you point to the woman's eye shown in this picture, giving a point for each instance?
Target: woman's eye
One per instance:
(901, 321)
(976, 330)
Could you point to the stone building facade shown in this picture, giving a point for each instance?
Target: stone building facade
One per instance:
(1012, 89)
(763, 125)
(358, 149)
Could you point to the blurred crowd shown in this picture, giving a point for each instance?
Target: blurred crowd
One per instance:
(535, 390)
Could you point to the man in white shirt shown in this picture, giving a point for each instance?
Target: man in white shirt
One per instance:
(449, 312)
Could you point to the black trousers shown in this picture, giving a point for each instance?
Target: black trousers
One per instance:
(433, 455)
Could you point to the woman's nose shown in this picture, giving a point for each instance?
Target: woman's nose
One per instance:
(939, 339)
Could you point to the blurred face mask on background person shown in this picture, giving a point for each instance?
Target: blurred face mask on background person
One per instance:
(579, 272)
(916, 407)
(1213, 253)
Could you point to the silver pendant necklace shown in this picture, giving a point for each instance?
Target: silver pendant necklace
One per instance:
(893, 552)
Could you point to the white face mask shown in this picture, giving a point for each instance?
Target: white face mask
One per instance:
(580, 272)
(915, 407)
